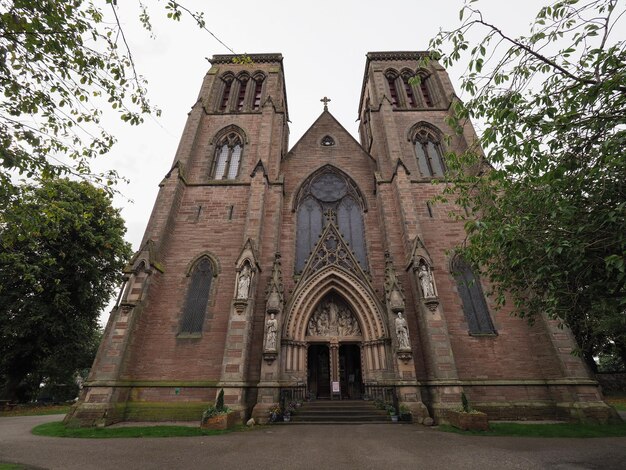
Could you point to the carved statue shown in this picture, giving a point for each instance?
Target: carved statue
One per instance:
(402, 332)
(272, 331)
(243, 284)
(330, 315)
(426, 281)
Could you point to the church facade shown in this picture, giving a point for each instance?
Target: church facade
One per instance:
(325, 270)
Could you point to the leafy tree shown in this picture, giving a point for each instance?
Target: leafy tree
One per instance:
(546, 205)
(61, 255)
(61, 63)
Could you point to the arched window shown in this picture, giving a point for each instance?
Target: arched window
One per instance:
(350, 222)
(429, 154)
(472, 298)
(258, 89)
(425, 89)
(393, 89)
(241, 91)
(308, 231)
(226, 87)
(197, 297)
(408, 89)
(227, 157)
(329, 195)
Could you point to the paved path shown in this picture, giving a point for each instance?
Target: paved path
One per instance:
(308, 447)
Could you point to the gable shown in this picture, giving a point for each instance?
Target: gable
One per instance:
(316, 137)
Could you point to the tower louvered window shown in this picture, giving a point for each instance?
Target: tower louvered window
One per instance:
(228, 157)
(197, 297)
(393, 91)
(258, 88)
(241, 96)
(228, 83)
(408, 88)
(426, 95)
(472, 298)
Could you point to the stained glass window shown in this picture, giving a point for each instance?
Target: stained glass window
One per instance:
(197, 297)
(472, 298)
(329, 196)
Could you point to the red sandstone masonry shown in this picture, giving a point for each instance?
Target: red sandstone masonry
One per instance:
(193, 216)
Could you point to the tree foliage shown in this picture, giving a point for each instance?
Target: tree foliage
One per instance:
(546, 219)
(61, 255)
(61, 65)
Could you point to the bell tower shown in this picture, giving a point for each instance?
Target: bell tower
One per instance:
(183, 325)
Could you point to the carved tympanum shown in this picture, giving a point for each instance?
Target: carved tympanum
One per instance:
(333, 317)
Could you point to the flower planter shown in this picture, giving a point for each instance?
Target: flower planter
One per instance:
(224, 421)
(475, 421)
(394, 418)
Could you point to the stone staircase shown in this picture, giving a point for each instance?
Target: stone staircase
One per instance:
(340, 412)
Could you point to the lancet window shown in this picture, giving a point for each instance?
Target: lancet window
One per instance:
(408, 89)
(227, 157)
(393, 89)
(226, 87)
(329, 196)
(197, 298)
(242, 93)
(429, 153)
(405, 95)
(472, 298)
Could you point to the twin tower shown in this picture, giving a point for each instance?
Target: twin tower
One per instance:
(321, 271)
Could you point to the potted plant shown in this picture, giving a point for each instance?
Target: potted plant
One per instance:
(275, 414)
(405, 414)
(392, 412)
(466, 418)
(218, 416)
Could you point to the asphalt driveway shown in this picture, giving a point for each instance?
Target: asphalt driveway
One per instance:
(307, 447)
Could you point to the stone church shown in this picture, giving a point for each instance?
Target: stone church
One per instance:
(325, 270)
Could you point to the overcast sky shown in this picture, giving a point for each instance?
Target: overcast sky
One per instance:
(323, 44)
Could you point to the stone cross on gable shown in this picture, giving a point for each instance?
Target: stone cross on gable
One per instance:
(325, 101)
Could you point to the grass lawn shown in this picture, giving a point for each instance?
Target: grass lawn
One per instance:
(618, 401)
(58, 429)
(545, 430)
(29, 410)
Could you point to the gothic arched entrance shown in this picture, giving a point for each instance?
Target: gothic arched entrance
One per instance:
(334, 337)
(334, 331)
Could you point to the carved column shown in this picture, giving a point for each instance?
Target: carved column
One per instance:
(439, 357)
(268, 387)
(334, 361)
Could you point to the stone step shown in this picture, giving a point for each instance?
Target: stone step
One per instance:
(340, 417)
(340, 412)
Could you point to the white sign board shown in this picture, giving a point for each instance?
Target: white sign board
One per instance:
(335, 387)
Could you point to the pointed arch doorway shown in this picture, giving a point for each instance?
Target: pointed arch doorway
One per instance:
(334, 338)
(319, 367)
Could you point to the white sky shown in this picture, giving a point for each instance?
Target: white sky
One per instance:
(323, 44)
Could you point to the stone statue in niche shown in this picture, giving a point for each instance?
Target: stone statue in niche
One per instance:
(402, 332)
(272, 332)
(426, 281)
(243, 283)
(330, 316)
